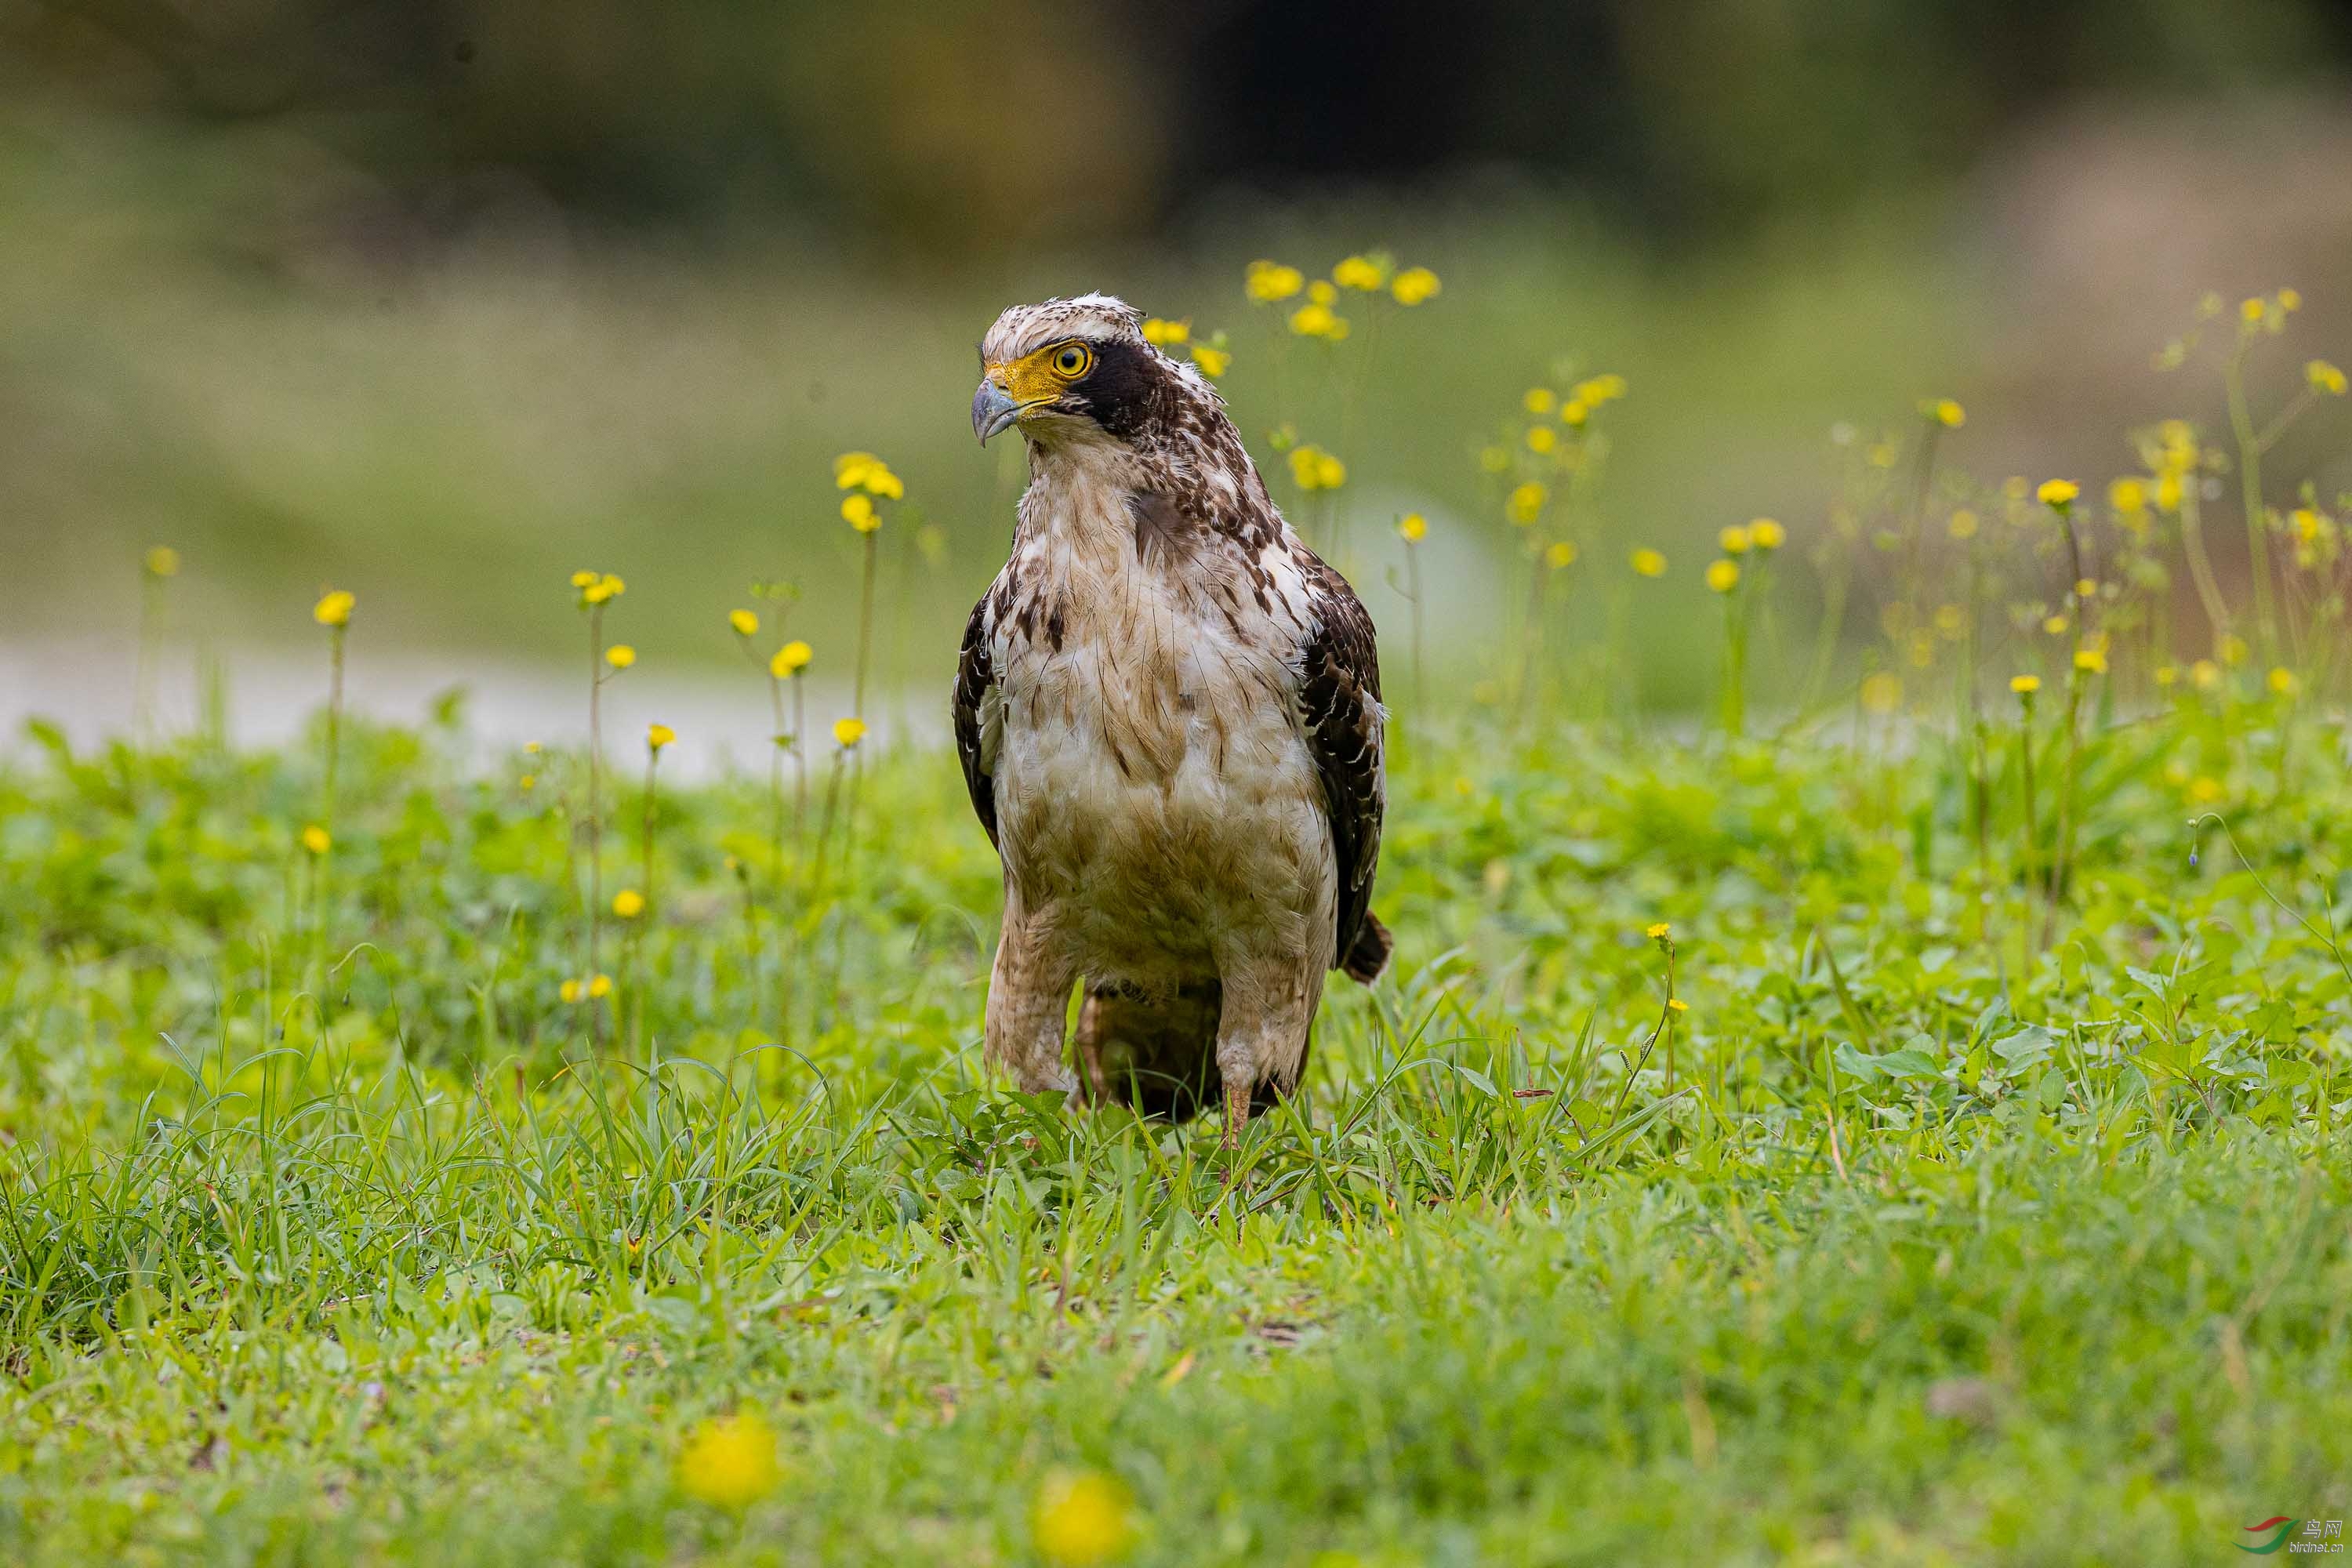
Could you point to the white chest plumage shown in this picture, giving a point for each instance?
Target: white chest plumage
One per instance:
(1156, 798)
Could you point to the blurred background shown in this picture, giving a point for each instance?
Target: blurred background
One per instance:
(439, 301)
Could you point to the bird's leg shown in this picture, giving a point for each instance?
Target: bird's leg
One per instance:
(1028, 997)
(1268, 1001)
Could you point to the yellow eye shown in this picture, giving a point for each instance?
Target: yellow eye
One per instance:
(1072, 360)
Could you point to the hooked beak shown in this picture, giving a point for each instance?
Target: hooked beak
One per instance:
(992, 409)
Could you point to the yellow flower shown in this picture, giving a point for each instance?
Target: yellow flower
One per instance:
(2127, 496)
(527, 783)
(2306, 522)
(598, 589)
(162, 562)
(334, 610)
(1881, 693)
(1413, 527)
(1963, 524)
(847, 733)
(730, 1462)
(658, 735)
(1735, 540)
(1494, 459)
(1525, 503)
(569, 991)
(1360, 273)
(2056, 625)
(1330, 473)
(2281, 679)
(583, 579)
(1946, 413)
(1676, 1005)
(628, 903)
(600, 986)
(620, 656)
(857, 510)
(2025, 685)
(2168, 491)
(789, 660)
(1766, 534)
(2058, 494)
(1596, 390)
(745, 622)
(2204, 675)
(1213, 363)
(1658, 932)
(1722, 575)
(1648, 563)
(2233, 649)
(1322, 293)
(1414, 285)
(1317, 320)
(2165, 675)
(1083, 1518)
(2091, 660)
(1541, 438)
(1950, 620)
(1540, 400)
(316, 840)
(1270, 281)
(1560, 554)
(2249, 310)
(1882, 455)
(2205, 791)
(1162, 334)
(2324, 378)
(2085, 588)
(1574, 412)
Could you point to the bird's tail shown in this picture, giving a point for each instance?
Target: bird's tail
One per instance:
(1158, 1054)
(1368, 953)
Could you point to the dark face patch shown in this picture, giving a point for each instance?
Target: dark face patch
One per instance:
(1124, 390)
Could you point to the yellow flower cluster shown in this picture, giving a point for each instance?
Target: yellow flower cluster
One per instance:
(791, 660)
(2057, 494)
(596, 988)
(865, 471)
(1273, 282)
(597, 587)
(1525, 503)
(2324, 378)
(1313, 469)
(1162, 334)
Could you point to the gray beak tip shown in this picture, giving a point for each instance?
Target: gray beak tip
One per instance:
(992, 410)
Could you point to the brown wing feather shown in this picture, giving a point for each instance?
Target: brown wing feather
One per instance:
(1339, 708)
(976, 674)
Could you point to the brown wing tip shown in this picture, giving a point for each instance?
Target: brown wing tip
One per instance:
(1368, 953)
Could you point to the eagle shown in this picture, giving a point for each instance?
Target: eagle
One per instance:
(1168, 709)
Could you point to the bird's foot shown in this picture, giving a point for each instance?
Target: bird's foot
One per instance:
(1237, 1110)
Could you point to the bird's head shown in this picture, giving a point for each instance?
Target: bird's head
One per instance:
(1068, 368)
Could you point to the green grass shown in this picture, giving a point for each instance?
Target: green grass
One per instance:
(325, 1235)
